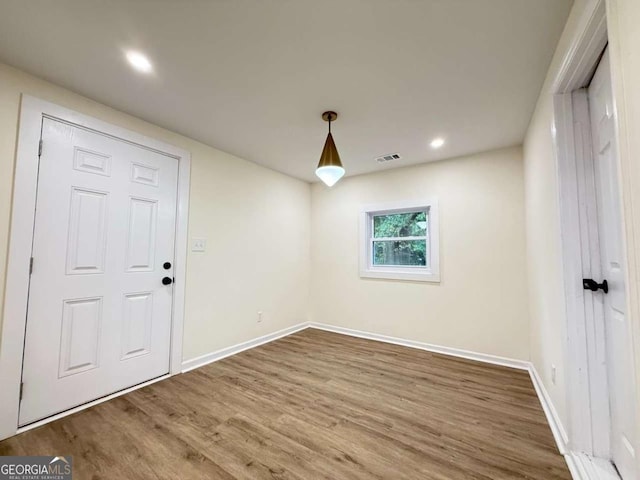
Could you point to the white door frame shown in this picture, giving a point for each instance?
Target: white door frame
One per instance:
(587, 385)
(32, 112)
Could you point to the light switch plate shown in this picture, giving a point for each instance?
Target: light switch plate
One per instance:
(198, 244)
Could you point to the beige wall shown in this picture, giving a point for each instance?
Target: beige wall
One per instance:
(236, 205)
(547, 305)
(481, 303)
(256, 222)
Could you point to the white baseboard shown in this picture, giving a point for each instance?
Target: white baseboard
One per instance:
(580, 466)
(579, 469)
(558, 430)
(455, 352)
(585, 467)
(575, 468)
(241, 347)
(186, 366)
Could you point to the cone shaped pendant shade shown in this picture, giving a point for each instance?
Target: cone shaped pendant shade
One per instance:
(330, 168)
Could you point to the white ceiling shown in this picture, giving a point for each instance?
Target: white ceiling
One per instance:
(253, 77)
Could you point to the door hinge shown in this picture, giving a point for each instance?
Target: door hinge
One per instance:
(21, 390)
(30, 265)
(40, 148)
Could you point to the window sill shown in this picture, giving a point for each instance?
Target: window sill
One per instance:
(423, 276)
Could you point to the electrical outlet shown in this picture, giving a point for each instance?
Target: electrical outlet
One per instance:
(553, 374)
(198, 244)
(259, 317)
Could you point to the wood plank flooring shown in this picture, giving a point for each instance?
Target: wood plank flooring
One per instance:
(314, 405)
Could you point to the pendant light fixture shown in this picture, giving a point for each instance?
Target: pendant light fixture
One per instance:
(330, 168)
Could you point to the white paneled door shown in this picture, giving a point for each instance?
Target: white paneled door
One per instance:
(100, 297)
(618, 342)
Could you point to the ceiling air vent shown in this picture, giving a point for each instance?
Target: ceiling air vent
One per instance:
(388, 158)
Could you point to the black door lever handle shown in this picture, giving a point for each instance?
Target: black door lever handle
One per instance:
(590, 284)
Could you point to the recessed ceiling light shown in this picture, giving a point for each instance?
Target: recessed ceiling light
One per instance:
(437, 142)
(139, 61)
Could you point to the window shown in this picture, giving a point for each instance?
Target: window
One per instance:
(400, 242)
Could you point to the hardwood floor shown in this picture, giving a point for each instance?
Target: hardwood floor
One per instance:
(314, 405)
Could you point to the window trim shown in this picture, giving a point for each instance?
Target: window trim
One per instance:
(430, 273)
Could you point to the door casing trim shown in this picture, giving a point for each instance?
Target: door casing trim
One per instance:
(587, 382)
(32, 111)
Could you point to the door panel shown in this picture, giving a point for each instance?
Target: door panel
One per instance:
(618, 345)
(87, 243)
(141, 235)
(80, 338)
(99, 318)
(92, 162)
(137, 320)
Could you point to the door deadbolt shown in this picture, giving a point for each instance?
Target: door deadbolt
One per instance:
(591, 284)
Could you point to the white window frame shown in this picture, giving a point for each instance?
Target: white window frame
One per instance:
(430, 273)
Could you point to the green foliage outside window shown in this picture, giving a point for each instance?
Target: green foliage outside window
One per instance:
(400, 252)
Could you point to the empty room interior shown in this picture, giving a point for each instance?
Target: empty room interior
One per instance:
(338, 239)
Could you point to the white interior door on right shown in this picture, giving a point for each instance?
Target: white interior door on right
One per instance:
(618, 342)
